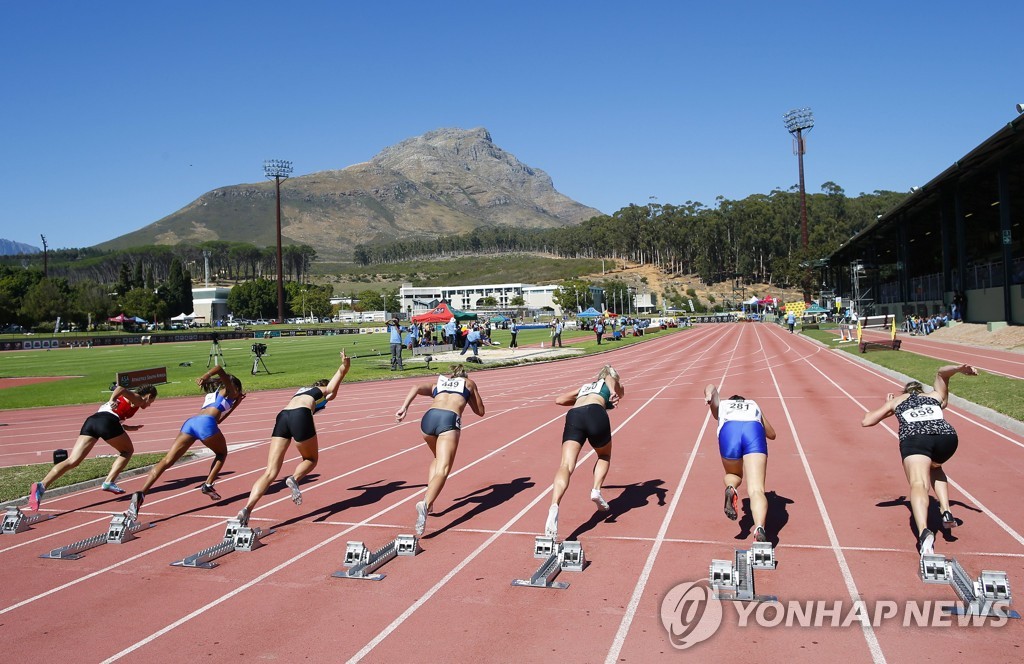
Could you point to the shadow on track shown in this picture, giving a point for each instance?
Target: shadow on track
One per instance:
(633, 496)
(481, 500)
(778, 517)
(372, 492)
(934, 515)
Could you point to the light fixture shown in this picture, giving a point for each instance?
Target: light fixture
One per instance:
(914, 190)
(1020, 108)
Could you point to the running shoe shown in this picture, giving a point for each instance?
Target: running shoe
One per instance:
(35, 495)
(551, 527)
(760, 535)
(137, 499)
(293, 485)
(602, 504)
(208, 490)
(732, 502)
(421, 518)
(110, 487)
(947, 520)
(243, 517)
(926, 542)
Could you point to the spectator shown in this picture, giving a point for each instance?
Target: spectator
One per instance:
(514, 329)
(598, 330)
(395, 332)
(472, 341)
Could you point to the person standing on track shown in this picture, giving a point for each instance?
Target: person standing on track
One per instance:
(743, 435)
(927, 441)
(224, 393)
(296, 422)
(105, 423)
(441, 426)
(587, 420)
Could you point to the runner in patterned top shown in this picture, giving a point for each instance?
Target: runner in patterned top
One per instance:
(927, 441)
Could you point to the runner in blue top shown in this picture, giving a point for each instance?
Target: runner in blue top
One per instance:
(743, 435)
(586, 420)
(441, 427)
(224, 393)
(295, 421)
(927, 441)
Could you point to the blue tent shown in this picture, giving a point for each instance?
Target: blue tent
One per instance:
(589, 313)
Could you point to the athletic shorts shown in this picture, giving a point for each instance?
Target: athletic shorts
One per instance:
(939, 447)
(436, 421)
(201, 427)
(295, 423)
(737, 439)
(588, 422)
(102, 425)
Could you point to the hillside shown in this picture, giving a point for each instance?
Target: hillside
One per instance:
(12, 248)
(443, 182)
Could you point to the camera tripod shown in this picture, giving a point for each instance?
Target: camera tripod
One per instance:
(258, 362)
(216, 356)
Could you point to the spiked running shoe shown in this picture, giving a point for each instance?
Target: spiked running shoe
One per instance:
(35, 495)
(926, 542)
(947, 520)
(208, 490)
(294, 486)
(760, 535)
(602, 504)
(110, 487)
(732, 502)
(137, 499)
(243, 517)
(421, 518)
(551, 526)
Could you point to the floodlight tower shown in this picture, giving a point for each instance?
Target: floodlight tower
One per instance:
(797, 122)
(278, 169)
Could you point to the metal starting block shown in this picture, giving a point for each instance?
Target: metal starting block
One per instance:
(236, 538)
(734, 580)
(560, 556)
(122, 529)
(361, 562)
(16, 521)
(978, 598)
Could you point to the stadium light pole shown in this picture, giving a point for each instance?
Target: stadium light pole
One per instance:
(797, 122)
(278, 169)
(45, 271)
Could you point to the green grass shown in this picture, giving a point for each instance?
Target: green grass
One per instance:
(16, 480)
(293, 361)
(999, 393)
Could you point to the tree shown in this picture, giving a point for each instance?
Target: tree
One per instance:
(572, 295)
(45, 301)
(370, 300)
(616, 295)
(517, 301)
(124, 279)
(144, 303)
(392, 302)
(254, 299)
(91, 297)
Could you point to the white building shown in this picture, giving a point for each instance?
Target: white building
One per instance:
(209, 304)
(417, 299)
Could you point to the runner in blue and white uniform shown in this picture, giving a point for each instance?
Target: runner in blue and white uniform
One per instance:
(927, 441)
(441, 426)
(743, 435)
(587, 420)
(296, 422)
(105, 423)
(224, 393)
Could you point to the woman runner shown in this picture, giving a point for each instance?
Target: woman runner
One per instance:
(296, 422)
(105, 423)
(587, 419)
(927, 441)
(223, 395)
(441, 426)
(743, 435)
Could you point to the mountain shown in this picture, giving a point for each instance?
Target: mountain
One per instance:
(12, 248)
(443, 182)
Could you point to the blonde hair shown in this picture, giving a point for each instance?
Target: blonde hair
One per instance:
(457, 371)
(913, 387)
(606, 371)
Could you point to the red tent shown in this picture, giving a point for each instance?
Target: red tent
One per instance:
(442, 313)
(120, 318)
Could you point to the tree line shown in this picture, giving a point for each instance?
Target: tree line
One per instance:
(757, 238)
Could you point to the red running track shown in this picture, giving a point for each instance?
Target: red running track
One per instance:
(838, 516)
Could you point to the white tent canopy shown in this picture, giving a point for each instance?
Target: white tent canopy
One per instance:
(184, 316)
(752, 300)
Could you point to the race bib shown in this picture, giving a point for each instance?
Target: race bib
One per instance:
(456, 385)
(924, 413)
(590, 388)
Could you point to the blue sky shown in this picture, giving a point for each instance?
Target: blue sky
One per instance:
(115, 114)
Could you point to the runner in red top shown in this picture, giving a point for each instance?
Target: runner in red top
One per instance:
(105, 423)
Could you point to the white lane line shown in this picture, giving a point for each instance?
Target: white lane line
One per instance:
(851, 586)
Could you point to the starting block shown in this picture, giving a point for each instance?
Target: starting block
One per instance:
(361, 562)
(978, 598)
(15, 521)
(558, 556)
(236, 538)
(734, 580)
(122, 529)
